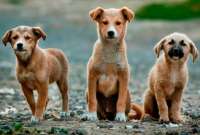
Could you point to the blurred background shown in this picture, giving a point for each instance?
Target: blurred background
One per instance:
(69, 28)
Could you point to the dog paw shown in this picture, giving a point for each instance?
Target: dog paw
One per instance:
(64, 115)
(120, 116)
(177, 120)
(91, 116)
(164, 120)
(34, 120)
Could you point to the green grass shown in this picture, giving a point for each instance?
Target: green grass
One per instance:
(170, 11)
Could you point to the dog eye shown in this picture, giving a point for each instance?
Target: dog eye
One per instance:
(27, 37)
(105, 22)
(15, 37)
(171, 42)
(182, 43)
(118, 23)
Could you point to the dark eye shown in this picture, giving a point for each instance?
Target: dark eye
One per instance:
(105, 22)
(118, 23)
(27, 37)
(171, 42)
(15, 37)
(182, 43)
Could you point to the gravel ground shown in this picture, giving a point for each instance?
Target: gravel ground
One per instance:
(75, 34)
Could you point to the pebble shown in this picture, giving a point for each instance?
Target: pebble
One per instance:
(128, 127)
(79, 131)
(184, 133)
(196, 130)
(195, 115)
(172, 132)
(104, 125)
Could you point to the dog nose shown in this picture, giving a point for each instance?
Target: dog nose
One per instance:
(19, 46)
(176, 50)
(111, 34)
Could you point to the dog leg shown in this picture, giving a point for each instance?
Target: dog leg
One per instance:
(92, 100)
(122, 97)
(174, 112)
(42, 100)
(162, 106)
(28, 93)
(150, 105)
(63, 87)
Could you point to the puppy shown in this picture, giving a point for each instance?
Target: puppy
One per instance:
(108, 70)
(36, 68)
(169, 77)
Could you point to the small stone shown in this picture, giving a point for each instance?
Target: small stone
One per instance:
(172, 125)
(81, 131)
(104, 125)
(195, 115)
(184, 133)
(72, 114)
(196, 130)
(129, 127)
(172, 132)
(79, 112)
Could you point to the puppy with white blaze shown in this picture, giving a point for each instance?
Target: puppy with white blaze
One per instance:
(108, 70)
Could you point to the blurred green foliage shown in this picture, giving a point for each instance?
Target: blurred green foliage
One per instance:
(170, 11)
(16, 2)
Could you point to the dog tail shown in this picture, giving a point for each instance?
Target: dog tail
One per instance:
(136, 112)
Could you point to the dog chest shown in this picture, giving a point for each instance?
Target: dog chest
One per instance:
(107, 84)
(26, 76)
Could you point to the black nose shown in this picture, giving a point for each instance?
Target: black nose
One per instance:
(176, 51)
(111, 34)
(19, 46)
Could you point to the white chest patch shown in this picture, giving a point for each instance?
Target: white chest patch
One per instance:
(174, 77)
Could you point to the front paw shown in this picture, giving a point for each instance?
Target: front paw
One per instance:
(34, 120)
(92, 116)
(164, 120)
(120, 116)
(177, 119)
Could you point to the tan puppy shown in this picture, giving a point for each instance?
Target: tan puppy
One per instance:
(108, 71)
(169, 77)
(36, 68)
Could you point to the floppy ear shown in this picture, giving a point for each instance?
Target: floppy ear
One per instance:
(6, 37)
(96, 13)
(159, 46)
(127, 13)
(39, 33)
(194, 51)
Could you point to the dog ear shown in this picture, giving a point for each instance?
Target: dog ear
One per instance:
(39, 33)
(6, 37)
(159, 46)
(127, 13)
(96, 13)
(194, 51)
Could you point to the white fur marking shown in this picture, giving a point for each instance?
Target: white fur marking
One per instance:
(92, 116)
(112, 28)
(120, 116)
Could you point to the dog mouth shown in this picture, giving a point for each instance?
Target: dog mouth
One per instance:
(175, 54)
(20, 50)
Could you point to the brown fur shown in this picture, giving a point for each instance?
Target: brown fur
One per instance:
(167, 80)
(36, 68)
(108, 69)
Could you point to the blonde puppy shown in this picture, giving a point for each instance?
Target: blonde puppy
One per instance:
(169, 77)
(108, 71)
(36, 68)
